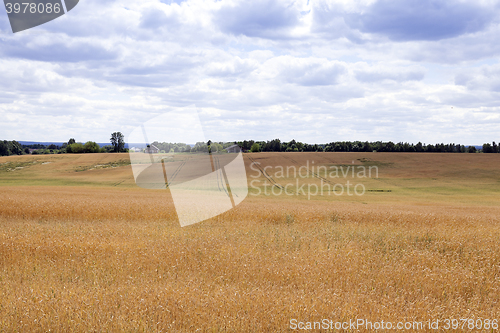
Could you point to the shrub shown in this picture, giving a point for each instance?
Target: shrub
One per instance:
(255, 148)
(91, 147)
(75, 148)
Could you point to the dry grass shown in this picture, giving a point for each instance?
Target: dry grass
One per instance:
(87, 259)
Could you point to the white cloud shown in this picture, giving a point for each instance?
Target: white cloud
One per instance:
(317, 72)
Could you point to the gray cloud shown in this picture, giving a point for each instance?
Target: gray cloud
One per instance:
(422, 19)
(56, 51)
(261, 18)
(153, 19)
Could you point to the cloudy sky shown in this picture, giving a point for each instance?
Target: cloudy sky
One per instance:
(315, 71)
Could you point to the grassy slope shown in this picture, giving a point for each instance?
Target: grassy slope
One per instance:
(451, 178)
(62, 170)
(454, 179)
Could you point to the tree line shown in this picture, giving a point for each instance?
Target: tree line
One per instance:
(71, 147)
(359, 146)
(276, 145)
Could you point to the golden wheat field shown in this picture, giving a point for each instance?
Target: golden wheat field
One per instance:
(83, 249)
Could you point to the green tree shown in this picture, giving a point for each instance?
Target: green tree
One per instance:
(91, 147)
(107, 149)
(216, 147)
(71, 141)
(15, 148)
(487, 148)
(255, 148)
(117, 140)
(4, 148)
(75, 148)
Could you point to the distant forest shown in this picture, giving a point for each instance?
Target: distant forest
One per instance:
(359, 146)
(15, 148)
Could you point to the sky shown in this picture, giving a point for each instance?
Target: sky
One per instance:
(315, 71)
